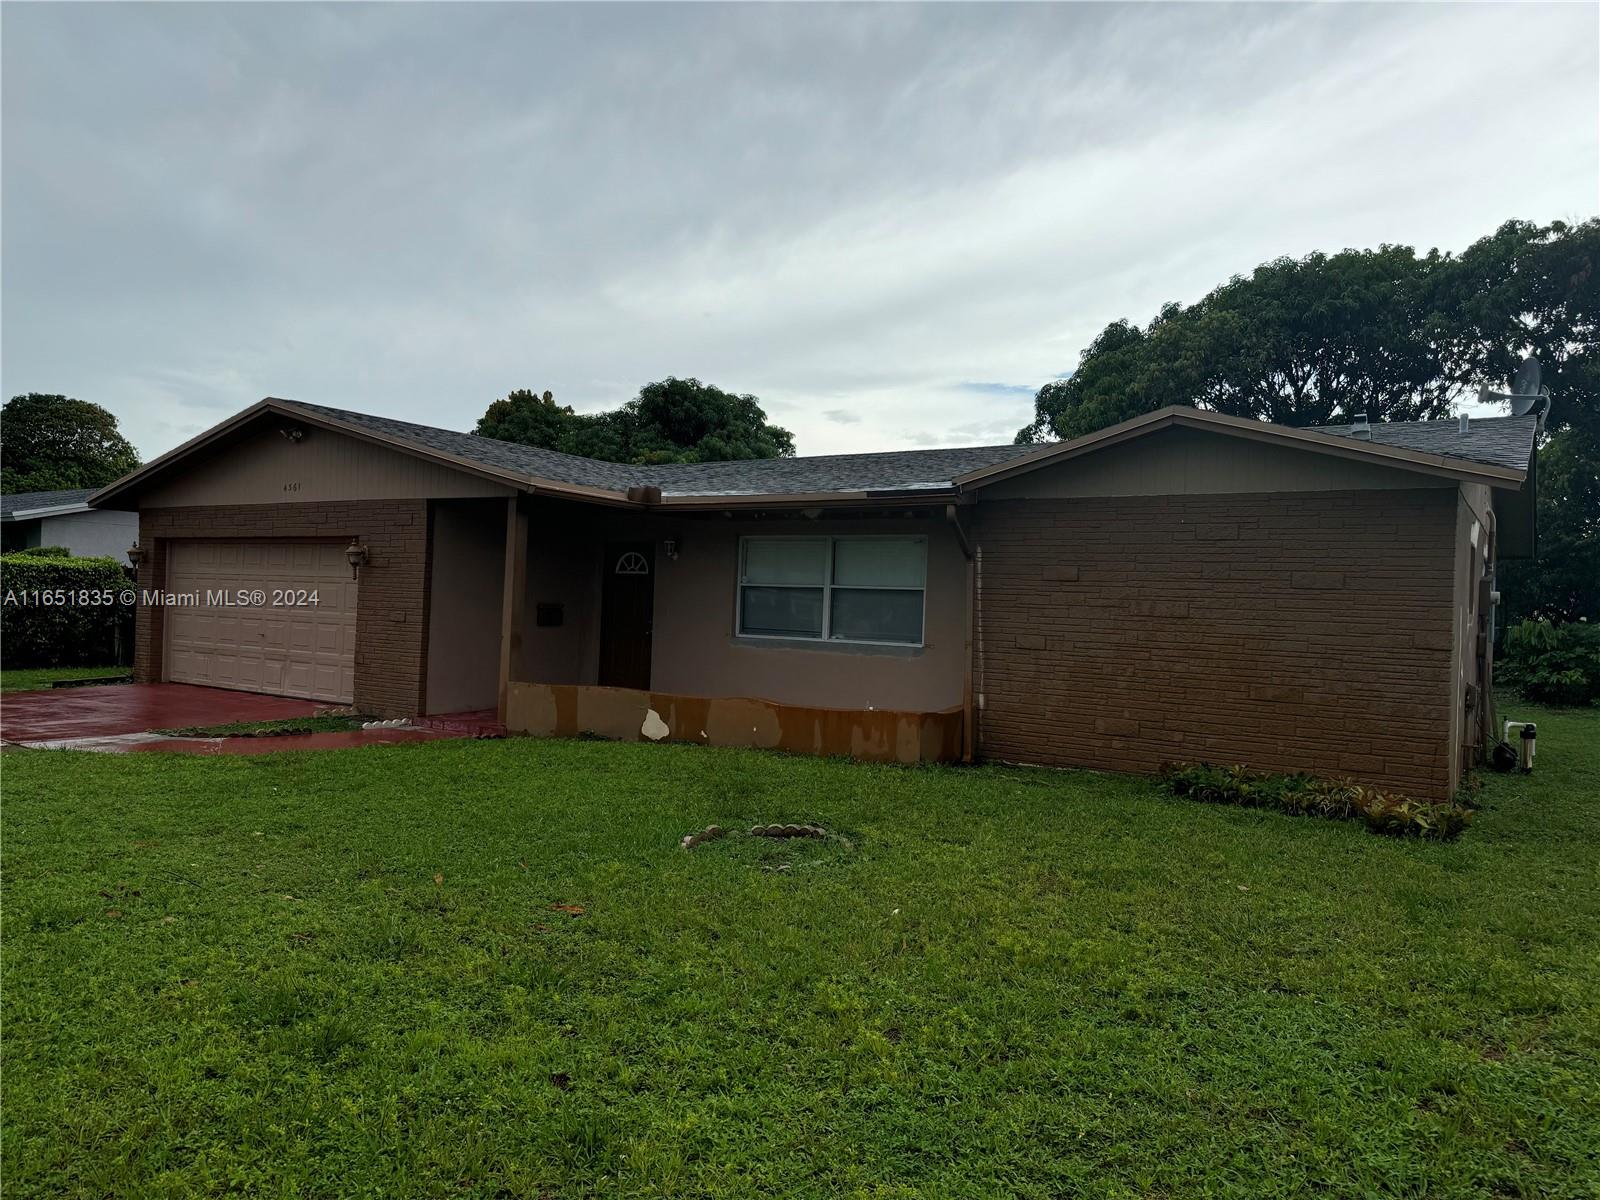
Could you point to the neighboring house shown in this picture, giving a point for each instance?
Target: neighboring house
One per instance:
(65, 519)
(1183, 586)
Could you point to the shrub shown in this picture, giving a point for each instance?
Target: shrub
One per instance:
(44, 552)
(63, 632)
(1311, 795)
(1553, 664)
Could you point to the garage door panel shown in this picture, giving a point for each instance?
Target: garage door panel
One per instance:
(306, 650)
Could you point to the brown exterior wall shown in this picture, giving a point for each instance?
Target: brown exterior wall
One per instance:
(391, 618)
(1290, 632)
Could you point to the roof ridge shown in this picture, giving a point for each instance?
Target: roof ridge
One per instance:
(642, 469)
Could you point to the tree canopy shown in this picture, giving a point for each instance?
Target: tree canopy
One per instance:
(54, 443)
(671, 421)
(1396, 335)
(1388, 332)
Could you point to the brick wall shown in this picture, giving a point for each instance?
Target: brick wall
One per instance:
(1291, 632)
(392, 604)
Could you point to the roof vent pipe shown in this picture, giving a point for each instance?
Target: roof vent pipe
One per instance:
(1359, 427)
(1463, 424)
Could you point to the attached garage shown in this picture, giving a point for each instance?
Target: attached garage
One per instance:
(263, 616)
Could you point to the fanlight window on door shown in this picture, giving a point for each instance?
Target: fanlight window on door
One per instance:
(632, 563)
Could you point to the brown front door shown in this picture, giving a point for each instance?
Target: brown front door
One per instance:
(627, 606)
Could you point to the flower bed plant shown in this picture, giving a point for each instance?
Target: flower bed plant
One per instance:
(1310, 795)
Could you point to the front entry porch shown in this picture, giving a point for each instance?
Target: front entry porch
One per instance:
(704, 627)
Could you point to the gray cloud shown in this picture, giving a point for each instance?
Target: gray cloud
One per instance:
(413, 209)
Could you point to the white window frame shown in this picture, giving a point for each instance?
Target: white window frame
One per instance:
(827, 638)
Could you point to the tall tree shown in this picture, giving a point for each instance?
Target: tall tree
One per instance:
(1563, 582)
(1387, 332)
(54, 443)
(673, 420)
(1400, 337)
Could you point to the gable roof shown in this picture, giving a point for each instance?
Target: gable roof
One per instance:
(1495, 450)
(24, 505)
(530, 462)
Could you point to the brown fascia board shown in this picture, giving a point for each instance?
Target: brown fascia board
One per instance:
(288, 408)
(1195, 418)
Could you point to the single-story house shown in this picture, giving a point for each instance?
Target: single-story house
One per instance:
(1182, 586)
(29, 519)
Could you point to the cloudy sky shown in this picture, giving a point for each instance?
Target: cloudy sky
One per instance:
(890, 223)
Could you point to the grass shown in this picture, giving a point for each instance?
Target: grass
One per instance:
(35, 678)
(347, 974)
(288, 725)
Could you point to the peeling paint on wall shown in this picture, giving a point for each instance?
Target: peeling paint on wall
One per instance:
(567, 710)
(654, 727)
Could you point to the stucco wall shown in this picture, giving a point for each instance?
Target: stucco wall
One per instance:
(1291, 632)
(103, 533)
(695, 651)
(1193, 462)
(260, 466)
(464, 615)
(563, 570)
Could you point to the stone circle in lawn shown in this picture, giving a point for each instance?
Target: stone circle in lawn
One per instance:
(788, 831)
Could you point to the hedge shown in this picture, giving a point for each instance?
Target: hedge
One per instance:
(64, 612)
(43, 552)
(1553, 664)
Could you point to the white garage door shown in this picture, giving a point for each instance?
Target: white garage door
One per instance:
(299, 649)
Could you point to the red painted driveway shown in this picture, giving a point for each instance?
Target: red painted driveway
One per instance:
(339, 740)
(59, 713)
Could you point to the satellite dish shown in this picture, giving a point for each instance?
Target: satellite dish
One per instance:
(1526, 394)
(1527, 381)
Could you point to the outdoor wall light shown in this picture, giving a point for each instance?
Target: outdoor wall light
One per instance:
(136, 555)
(670, 545)
(356, 555)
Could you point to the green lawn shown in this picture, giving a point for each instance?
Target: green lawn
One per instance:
(344, 974)
(34, 678)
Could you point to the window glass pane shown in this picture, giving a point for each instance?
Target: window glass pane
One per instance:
(780, 612)
(785, 560)
(879, 562)
(873, 616)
